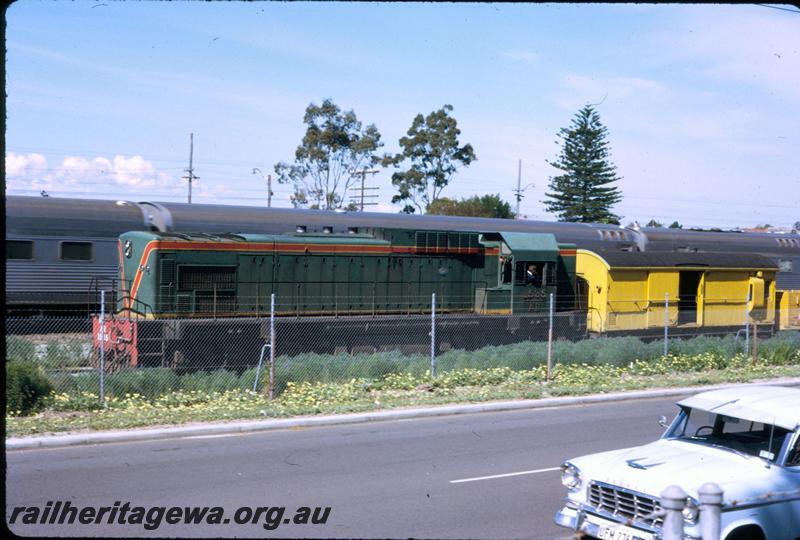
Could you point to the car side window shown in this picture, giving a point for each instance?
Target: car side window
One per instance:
(793, 459)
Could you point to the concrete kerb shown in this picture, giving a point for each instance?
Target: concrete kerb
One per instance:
(74, 439)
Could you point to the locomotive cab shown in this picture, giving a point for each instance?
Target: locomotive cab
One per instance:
(529, 268)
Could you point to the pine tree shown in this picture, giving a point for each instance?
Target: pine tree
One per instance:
(584, 192)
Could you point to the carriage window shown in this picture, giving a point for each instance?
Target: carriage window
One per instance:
(19, 250)
(76, 251)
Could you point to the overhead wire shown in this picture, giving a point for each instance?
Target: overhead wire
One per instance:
(780, 8)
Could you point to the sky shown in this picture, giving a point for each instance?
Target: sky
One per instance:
(701, 102)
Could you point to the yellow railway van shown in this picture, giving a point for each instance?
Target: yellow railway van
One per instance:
(789, 306)
(629, 292)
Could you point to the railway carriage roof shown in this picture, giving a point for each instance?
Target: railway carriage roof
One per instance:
(623, 259)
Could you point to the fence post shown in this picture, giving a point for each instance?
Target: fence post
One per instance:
(710, 510)
(673, 501)
(550, 340)
(272, 346)
(102, 347)
(433, 335)
(746, 326)
(666, 324)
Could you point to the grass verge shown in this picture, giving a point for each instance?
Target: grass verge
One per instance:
(396, 390)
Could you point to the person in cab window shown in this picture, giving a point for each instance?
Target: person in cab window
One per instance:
(532, 276)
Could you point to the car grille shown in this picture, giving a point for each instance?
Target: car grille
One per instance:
(624, 503)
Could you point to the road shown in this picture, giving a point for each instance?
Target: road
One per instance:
(490, 475)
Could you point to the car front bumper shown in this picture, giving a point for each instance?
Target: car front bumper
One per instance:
(582, 521)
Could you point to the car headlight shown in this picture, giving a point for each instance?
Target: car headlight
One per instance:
(570, 476)
(691, 511)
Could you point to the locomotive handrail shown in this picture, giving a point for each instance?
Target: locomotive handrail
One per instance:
(135, 306)
(93, 292)
(599, 315)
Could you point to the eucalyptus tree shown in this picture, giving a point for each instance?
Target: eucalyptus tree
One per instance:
(431, 154)
(334, 146)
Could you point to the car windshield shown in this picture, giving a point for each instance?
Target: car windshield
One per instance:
(737, 435)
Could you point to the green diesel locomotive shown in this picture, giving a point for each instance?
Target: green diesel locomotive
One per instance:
(203, 301)
(383, 272)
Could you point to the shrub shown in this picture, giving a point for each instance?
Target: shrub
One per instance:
(27, 388)
(66, 354)
(782, 349)
(211, 381)
(590, 364)
(147, 382)
(717, 346)
(20, 350)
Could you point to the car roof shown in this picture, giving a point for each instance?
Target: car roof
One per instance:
(777, 405)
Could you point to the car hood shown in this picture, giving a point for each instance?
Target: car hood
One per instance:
(652, 467)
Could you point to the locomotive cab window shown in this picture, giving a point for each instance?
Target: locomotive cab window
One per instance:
(505, 271)
(530, 273)
(19, 250)
(76, 251)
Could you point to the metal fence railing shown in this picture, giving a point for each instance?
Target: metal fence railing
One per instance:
(107, 353)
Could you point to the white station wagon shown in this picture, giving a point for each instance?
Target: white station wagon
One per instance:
(745, 439)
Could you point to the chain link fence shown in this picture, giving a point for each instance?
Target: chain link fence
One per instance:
(325, 340)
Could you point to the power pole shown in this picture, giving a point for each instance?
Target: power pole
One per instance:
(268, 178)
(520, 190)
(519, 186)
(363, 173)
(190, 170)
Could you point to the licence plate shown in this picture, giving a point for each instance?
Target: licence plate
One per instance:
(613, 531)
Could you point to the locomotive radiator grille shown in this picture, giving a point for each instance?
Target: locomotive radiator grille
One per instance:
(167, 287)
(627, 504)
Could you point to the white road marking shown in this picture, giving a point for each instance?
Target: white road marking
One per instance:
(504, 475)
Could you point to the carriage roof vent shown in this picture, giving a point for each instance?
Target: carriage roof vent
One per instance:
(300, 228)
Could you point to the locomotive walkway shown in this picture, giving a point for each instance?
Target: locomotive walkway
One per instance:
(213, 429)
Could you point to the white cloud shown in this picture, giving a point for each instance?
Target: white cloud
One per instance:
(137, 171)
(77, 175)
(76, 167)
(18, 165)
